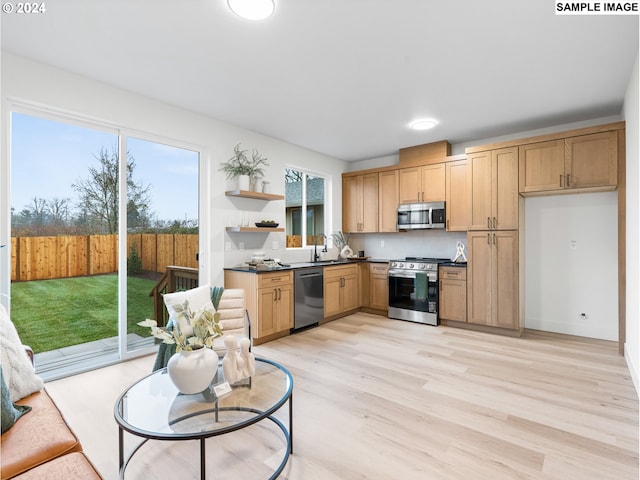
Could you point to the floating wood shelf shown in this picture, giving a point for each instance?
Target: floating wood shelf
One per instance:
(254, 195)
(254, 229)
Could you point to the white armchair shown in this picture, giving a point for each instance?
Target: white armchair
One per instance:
(234, 318)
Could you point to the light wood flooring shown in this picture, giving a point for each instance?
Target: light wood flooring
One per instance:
(384, 399)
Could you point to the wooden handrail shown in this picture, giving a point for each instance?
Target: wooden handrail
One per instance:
(174, 279)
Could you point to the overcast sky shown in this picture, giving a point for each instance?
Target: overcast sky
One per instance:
(47, 157)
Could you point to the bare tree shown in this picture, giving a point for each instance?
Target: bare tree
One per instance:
(58, 210)
(38, 211)
(99, 191)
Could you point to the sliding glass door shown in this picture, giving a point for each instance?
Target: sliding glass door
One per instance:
(162, 229)
(98, 219)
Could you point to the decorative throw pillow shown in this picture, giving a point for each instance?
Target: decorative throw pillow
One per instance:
(10, 411)
(18, 371)
(199, 297)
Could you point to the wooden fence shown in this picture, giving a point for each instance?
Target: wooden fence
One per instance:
(42, 258)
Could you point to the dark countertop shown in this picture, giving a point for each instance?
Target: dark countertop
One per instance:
(454, 264)
(298, 265)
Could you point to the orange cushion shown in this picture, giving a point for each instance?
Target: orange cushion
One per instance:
(36, 438)
(74, 466)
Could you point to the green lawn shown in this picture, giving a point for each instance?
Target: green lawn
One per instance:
(51, 314)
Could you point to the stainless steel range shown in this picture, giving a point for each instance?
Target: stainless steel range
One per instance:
(413, 289)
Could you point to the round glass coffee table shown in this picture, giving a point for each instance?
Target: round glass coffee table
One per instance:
(153, 409)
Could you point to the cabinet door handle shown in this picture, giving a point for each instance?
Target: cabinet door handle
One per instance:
(568, 182)
(561, 178)
(488, 239)
(494, 238)
(494, 223)
(279, 294)
(489, 222)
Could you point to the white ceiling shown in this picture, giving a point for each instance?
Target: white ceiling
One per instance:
(345, 77)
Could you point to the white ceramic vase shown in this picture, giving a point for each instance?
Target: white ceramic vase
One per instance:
(243, 182)
(192, 371)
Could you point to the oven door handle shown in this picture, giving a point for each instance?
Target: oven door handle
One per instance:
(402, 274)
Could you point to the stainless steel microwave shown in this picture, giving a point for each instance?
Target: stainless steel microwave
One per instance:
(416, 216)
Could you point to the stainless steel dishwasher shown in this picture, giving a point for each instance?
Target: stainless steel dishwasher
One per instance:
(308, 290)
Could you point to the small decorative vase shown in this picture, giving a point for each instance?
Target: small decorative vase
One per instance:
(192, 371)
(243, 182)
(257, 187)
(346, 252)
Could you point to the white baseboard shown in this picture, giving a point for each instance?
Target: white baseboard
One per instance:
(633, 368)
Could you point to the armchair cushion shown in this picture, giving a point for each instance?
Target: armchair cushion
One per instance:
(233, 319)
(18, 371)
(199, 297)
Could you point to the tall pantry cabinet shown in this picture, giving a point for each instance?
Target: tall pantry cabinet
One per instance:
(493, 240)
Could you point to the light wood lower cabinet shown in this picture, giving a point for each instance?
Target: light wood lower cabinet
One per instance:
(378, 286)
(492, 279)
(341, 292)
(269, 300)
(453, 294)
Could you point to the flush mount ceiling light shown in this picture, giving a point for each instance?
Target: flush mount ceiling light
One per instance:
(424, 124)
(252, 9)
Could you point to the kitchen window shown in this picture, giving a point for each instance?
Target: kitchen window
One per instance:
(305, 208)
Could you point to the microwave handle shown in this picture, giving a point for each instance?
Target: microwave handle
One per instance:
(430, 216)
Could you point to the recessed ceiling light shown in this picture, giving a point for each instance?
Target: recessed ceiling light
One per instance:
(252, 9)
(424, 124)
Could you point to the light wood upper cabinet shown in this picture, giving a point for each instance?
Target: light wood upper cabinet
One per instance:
(591, 161)
(360, 203)
(580, 163)
(457, 204)
(492, 279)
(493, 186)
(388, 192)
(422, 184)
(410, 185)
(541, 166)
(433, 183)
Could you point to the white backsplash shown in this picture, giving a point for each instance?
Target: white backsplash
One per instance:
(417, 243)
(420, 243)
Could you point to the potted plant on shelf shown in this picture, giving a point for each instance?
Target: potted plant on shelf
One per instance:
(246, 170)
(256, 170)
(238, 167)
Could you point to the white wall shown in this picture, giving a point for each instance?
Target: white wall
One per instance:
(571, 264)
(630, 113)
(24, 81)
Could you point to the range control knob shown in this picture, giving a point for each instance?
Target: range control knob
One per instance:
(411, 265)
(423, 266)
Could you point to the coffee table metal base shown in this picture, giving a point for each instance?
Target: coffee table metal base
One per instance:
(128, 421)
(203, 467)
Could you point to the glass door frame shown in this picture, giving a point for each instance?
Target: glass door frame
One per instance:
(204, 182)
